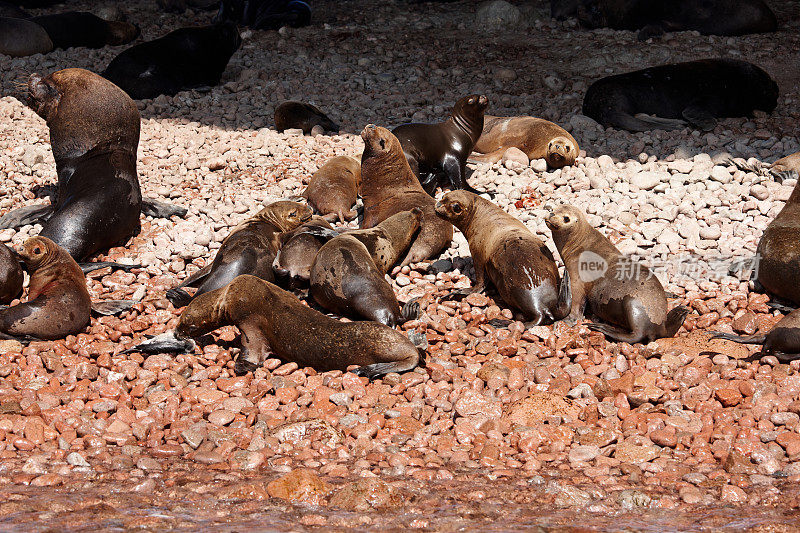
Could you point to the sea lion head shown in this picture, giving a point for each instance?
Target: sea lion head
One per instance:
(564, 221)
(471, 107)
(37, 252)
(378, 141)
(766, 88)
(457, 207)
(83, 111)
(285, 214)
(560, 152)
(120, 32)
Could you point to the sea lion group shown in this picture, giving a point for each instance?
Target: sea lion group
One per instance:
(94, 132)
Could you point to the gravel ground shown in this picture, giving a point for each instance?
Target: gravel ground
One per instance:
(505, 427)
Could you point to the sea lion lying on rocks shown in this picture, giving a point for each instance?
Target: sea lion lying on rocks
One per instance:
(333, 189)
(302, 116)
(535, 137)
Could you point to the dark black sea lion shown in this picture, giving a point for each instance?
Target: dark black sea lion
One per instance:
(697, 92)
(94, 135)
(265, 14)
(302, 116)
(20, 37)
(437, 153)
(79, 28)
(183, 59)
(654, 17)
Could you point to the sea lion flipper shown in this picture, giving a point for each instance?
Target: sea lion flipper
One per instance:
(178, 297)
(697, 115)
(26, 215)
(111, 307)
(783, 307)
(650, 31)
(166, 342)
(156, 209)
(195, 278)
(747, 339)
(617, 334)
(318, 231)
(97, 265)
(781, 176)
(377, 370)
(410, 311)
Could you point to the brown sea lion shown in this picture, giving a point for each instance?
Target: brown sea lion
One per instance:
(515, 260)
(536, 137)
(21, 37)
(250, 248)
(618, 290)
(299, 247)
(694, 92)
(94, 135)
(437, 153)
(272, 319)
(302, 116)
(388, 187)
(782, 341)
(11, 277)
(58, 301)
(778, 252)
(347, 276)
(333, 189)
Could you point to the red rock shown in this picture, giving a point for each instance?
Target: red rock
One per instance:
(300, 485)
(728, 397)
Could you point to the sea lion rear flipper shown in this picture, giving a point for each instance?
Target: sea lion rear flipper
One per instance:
(781, 176)
(112, 307)
(166, 342)
(410, 311)
(748, 339)
(320, 232)
(459, 294)
(178, 297)
(91, 267)
(698, 116)
(26, 215)
(642, 122)
(156, 209)
(783, 307)
(490, 157)
(22, 339)
(616, 334)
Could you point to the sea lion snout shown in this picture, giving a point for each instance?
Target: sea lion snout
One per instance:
(39, 93)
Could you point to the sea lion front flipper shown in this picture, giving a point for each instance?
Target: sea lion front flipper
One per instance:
(112, 307)
(698, 116)
(156, 209)
(459, 294)
(318, 231)
(410, 310)
(195, 278)
(746, 339)
(616, 334)
(26, 215)
(166, 342)
(178, 297)
(490, 157)
(97, 265)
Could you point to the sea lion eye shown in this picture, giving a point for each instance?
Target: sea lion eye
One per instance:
(383, 144)
(456, 209)
(293, 214)
(37, 250)
(566, 219)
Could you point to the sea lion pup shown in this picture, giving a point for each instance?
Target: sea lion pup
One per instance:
(782, 341)
(617, 289)
(265, 14)
(437, 153)
(58, 301)
(11, 277)
(333, 189)
(536, 137)
(80, 28)
(20, 37)
(515, 260)
(778, 252)
(654, 17)
(183, 59)
(302, 116)
(272, 319)
(94, 135)
(697, 92)
(347, 276)
(299, 247)
(249, 249)
(388, 187)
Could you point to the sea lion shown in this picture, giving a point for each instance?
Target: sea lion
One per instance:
(20, 38)
(654, 17)
(58, 301)
(437, 153)
(782, 341)
(333, 189)
(778, 252)
(536, 137)
(265, 14)
(515, 260)
(347, 276)
(272, 319)
(183, 59)
(94, 135)
(388, 187)
(617, 289)
(11, 277)
(80, 28)
(697, 92)
(299, 247)
(302, 116)
(250, 248)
